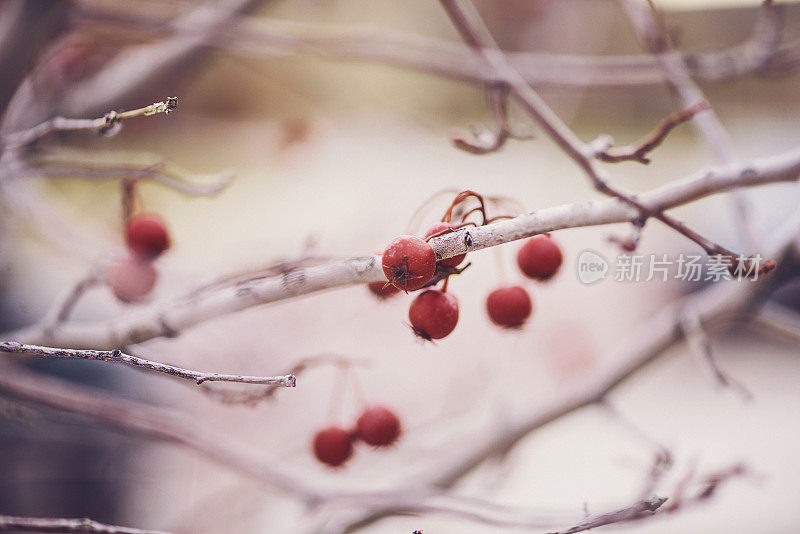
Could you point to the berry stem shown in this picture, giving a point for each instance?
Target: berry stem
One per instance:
(130, 199)
(461, 197)
(337, 397)
(502, 273)
(358, 388)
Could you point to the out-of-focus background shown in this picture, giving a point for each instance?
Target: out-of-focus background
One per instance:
(340, 154)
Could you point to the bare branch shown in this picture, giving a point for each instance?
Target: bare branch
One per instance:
(173, 317)
(481, 140)
(62, 308)
(41, 524)
(652, 33)
(270, 38)
(473, 30)
(120, 357)
(144, 420)
(708, 487)
(639, 152)
(700, 344)
(108, 124)
(230, 396)
(630, 513)
(125, 165)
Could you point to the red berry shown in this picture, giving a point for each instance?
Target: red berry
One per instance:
(433, 314)
(409, 262)
(333, 446)
(539, 257)
(132, 278)
(382, 290)
(378, 426)
(509, 306)
(441, 228)
(146, 236)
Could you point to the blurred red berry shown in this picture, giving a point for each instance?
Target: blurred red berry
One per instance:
(378, 426)
(146, 236)
(132, 278)
(382, 290)
(333, 446)
(409, 262)
(433, 314)
(539, 258)
(439, 228)
(509, 306)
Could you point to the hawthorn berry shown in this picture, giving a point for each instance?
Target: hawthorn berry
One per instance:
(509, 306)
(378, 426)
(539, 258)
(333, 445)
(409, 262)
(433, 314)
(440, 228)
(382, 290)
(132, 278)
(146, 236)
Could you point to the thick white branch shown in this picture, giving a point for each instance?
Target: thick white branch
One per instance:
(170, 318)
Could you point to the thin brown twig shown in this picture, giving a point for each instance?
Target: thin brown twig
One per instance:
(120, 357)
(639, 151)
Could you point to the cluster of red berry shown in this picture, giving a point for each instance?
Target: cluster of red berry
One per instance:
(409, 264)
(377, 426)
(134, 276)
